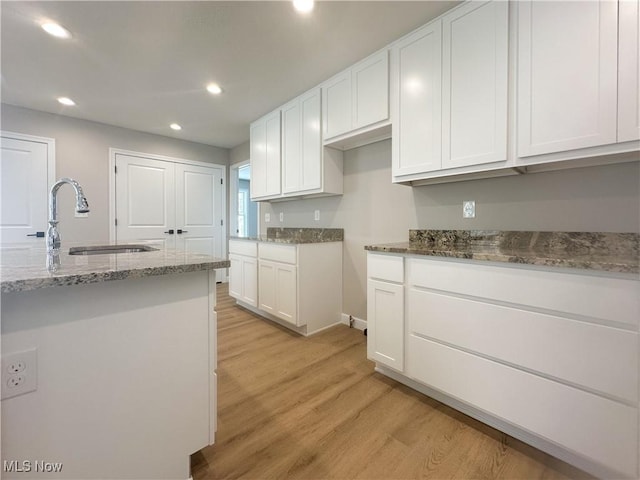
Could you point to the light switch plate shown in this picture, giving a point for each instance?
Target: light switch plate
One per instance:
(469, 209)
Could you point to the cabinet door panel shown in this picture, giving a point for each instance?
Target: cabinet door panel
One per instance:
(370, 90)
(273, 154)
(267, 286)
(291, 152)
(629, 71)
(286, 293)
(258, 153)
(474, 84)
(235, 276)
(311, 161)
(567, 75)
(249, 281)
(336, 105)
(385, 323)
(417, 102)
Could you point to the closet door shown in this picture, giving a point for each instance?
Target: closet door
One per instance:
(198, 209)
(145, 200)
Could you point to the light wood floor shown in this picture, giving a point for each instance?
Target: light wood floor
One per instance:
(313, 408)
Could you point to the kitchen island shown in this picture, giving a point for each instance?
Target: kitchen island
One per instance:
(123, 368)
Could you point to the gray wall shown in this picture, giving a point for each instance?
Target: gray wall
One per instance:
(373, 210)
(82, 153)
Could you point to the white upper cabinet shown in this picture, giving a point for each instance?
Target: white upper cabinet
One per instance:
(370, 90)
(629, 71)
(336, 105)
(417, 101)
(474, 84)
(265, 157)
(449, 103)
(356, 98)
(302, 144)
(567, 75)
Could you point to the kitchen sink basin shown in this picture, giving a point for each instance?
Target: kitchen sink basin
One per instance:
(110, 249)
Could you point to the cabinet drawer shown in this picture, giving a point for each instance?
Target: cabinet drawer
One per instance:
(599, 358)
(385, 267)
(600, 429)
(604, 298)
(243, 247)
(278, 252)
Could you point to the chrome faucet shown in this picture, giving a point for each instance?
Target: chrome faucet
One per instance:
(82, 206)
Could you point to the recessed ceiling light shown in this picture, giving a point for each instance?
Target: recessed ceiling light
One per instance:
(303, 6)
(175, 126)
(66, 101)
(56, 30)
(214, 88)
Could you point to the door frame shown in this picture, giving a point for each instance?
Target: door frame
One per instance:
(233, 198)
(112, 186)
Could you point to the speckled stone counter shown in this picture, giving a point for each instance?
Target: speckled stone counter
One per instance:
(609, 252)
(298, 235)
(24, 267)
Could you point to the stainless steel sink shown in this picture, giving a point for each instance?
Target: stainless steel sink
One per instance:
(110, 249)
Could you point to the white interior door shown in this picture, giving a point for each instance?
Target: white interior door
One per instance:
(25, 168)
(199, 209)
(169, 203)
(145, 200)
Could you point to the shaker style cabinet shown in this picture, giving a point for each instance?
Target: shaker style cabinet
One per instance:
(385, 310)
(628, 71)
(357, 97)
(264, 137)
(243, 273)
(449, 103)
(567, 75)
(308, 168)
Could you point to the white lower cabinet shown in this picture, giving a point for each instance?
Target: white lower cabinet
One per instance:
(296, 285)
(243, 273)
(278, 292)
(385, 310)
(550, 356)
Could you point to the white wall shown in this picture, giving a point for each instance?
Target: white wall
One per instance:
(82, 153)
(373, 210)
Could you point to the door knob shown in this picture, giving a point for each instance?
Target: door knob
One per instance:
(170, 232)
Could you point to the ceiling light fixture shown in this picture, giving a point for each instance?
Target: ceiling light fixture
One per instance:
(56, 30)
(66, 101)
(175, 126)
(214, 89)
(303, 6)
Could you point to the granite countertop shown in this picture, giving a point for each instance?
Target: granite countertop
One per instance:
(297, 235)
(24, 267)
(609, 252)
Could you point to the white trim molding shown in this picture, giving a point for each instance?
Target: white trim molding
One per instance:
(358, 323)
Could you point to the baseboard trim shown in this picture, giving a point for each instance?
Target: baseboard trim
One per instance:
(358, 323)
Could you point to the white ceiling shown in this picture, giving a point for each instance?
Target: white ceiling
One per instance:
(143, 65)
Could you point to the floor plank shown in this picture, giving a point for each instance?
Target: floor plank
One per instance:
(291, 407)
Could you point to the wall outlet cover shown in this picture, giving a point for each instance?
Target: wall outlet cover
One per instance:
(267, 217)
(469, 209)
(19, 373)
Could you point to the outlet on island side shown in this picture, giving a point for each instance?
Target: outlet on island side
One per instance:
(316, 215)
(19, 373)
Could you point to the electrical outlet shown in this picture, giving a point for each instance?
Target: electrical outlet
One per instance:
(19, 373)
(267, 217)
(282, 216)
(469, 209)
(316, 215)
